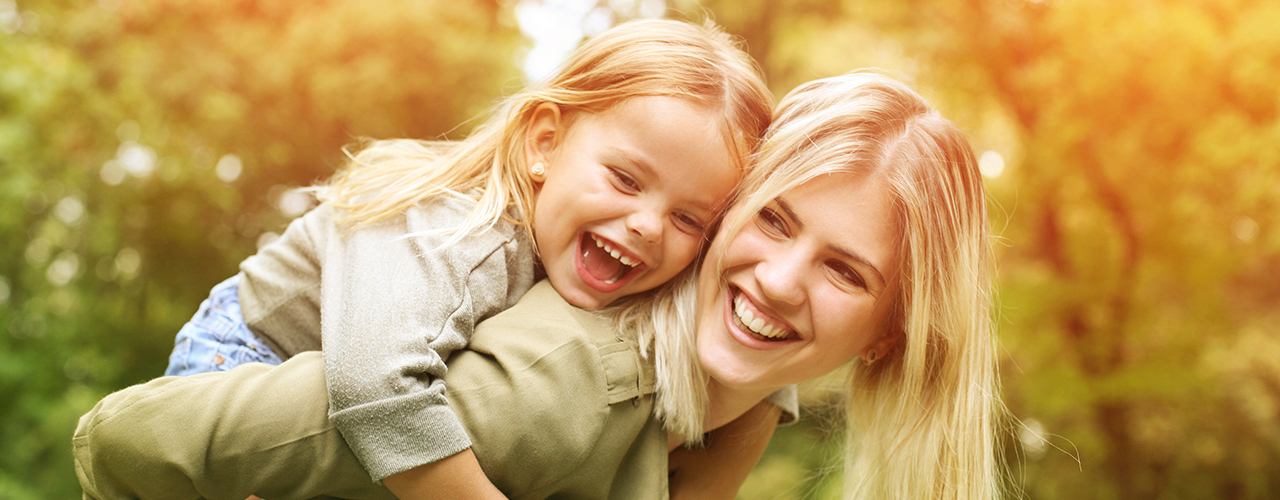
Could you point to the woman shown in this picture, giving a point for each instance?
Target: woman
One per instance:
(864, 235)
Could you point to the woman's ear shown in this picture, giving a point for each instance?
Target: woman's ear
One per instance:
(541, 138)
(881, 347)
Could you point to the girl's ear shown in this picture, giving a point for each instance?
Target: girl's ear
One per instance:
(541, 138)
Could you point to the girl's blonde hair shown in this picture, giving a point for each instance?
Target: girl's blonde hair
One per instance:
(920, 420)
(699, 63)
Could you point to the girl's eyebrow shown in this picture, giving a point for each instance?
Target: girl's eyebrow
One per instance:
(631, 159)
(624, 156)
(843, 252)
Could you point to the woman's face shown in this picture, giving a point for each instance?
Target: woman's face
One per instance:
(803, 288)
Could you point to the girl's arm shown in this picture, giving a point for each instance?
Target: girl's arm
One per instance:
(456, 476)
(396, 305)
(255, 429)
(719, 468)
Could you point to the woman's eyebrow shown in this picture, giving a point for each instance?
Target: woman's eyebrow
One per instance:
(853, 256)
(848, 254)
(786, 207)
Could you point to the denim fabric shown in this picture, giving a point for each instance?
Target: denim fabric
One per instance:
(217, 338)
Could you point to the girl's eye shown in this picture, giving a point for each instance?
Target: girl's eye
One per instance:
(846, 274)
(688, 223)
(771, 222)
(624, 182)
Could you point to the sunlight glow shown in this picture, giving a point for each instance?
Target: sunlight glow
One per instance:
(136, 159)
(991, 164)
(1245, 229)
(69, 210)
(64, 268)
(1031, 434)
(128, 262)
(293, 203)
(38, 251)
(112, 172)
(557, 26)
(229, 168)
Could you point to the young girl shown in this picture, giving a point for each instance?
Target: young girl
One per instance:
(605, 179)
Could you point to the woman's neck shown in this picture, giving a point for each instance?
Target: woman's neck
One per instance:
(725, 404)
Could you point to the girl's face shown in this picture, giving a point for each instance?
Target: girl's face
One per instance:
(627, 194)
(805, 286)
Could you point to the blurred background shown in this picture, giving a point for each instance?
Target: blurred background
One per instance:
(1131, 149)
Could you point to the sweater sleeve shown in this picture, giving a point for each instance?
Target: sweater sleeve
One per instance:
(395, 305)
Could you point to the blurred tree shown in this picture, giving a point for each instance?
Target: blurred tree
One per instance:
(1143, 183)
(146, 148)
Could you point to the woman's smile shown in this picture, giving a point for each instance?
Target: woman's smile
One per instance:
(753, 319)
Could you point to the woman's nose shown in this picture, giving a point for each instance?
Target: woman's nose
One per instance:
(782, 276)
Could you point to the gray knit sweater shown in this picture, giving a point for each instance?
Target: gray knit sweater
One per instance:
(390, 306)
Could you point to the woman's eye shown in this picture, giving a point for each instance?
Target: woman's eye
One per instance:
(847, 274)
(771, 222)
(624, 182)
(688, 223)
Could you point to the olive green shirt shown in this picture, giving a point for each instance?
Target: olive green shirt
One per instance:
(556, 405)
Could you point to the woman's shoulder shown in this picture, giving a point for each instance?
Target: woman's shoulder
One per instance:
(542, 323)
(546, 379)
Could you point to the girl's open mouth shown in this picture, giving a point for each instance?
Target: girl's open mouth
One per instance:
(605, 265)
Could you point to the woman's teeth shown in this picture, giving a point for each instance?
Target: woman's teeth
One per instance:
(757, 325)
(613, 252)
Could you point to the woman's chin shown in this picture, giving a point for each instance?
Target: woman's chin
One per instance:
(730, 370)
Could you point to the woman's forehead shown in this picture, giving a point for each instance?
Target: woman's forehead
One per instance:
(851, 213)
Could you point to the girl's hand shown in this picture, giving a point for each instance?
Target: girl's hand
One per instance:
(719, 468)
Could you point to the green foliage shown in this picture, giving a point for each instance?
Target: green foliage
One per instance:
(147, 146)
(803, 461)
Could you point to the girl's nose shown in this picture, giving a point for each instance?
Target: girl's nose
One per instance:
(646, 224)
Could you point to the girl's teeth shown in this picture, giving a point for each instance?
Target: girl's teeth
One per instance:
(615, 253)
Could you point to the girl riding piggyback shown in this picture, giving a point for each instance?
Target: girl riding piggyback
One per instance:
(605, 179)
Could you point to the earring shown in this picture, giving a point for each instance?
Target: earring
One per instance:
(538, 169)
(869, 357)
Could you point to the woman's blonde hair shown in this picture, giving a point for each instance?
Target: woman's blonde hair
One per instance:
(699, 63)
(921, 418)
